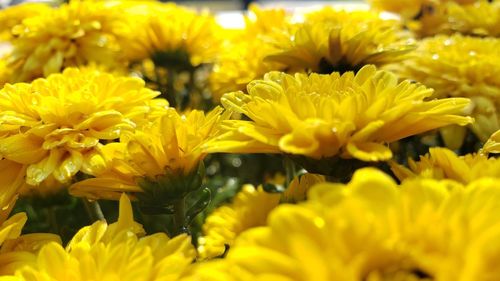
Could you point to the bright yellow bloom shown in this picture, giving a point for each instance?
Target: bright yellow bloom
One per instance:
(322, 116)
(336, 40)
(431, 17)
(442, 163)
(299, 187)
(241, 59)
(173, 34)
(54, 126)
(373, 229)
(461, 66)
(249, 209)
(74, 34)
(14, 15)
(481, 18)
(17, 250)
(169, 146)
(113, 252)
(492, 145)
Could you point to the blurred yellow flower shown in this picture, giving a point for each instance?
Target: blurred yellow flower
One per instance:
(17, 250)
(481, 18)
(442, 163)
(323, 116)
(175, 35)
(170, 147)
(55, 126)
(249, 208)
(74, 34)
(373, 229)
(431, 17)
(337, 40)
(241, 58)
(14, 15)
(492, 145)
(113, 252)
(461, 66)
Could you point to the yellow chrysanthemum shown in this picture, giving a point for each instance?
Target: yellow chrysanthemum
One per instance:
(492, 145)
(74, 34)
(249, 209)
(112, 252)
(431, 17)
(170, 147)
(14, 15)
(442, 163)
(241, 59)
(336, 40)
(481, 18)
(174, 35)
(323, 116)
(54, 126)
(17, 250)
(460, 66)
(373, 229)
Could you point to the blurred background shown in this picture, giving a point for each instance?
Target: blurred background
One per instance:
(218, 5)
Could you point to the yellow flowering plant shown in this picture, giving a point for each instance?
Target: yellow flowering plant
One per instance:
(461, 66)
(371, 229)
(336, 40)
(54, 127)
(74, 34)
(160, 164)
(349, 116)
(303, 172)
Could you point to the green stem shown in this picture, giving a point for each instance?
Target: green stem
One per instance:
(94, 210)
(290, 170)
(180, 217)
(52, 219)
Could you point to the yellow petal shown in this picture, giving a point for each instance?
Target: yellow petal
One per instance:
(369, 151)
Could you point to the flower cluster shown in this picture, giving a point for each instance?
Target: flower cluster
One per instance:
(308, 144)
(372, 229)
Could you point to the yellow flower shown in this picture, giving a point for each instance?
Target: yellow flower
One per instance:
(461, 66)
(336, 40)
(481, 18)
(74, 34)
(299, 187)
(241, 59)
(113, 252)
(442, 163)
(324, 116)
(54, 126)
(14, 15)
(249, 209)
(431, 17)
(170, 147)
(173, 34)
(492, 145)
(17, 250)
(372, 229)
